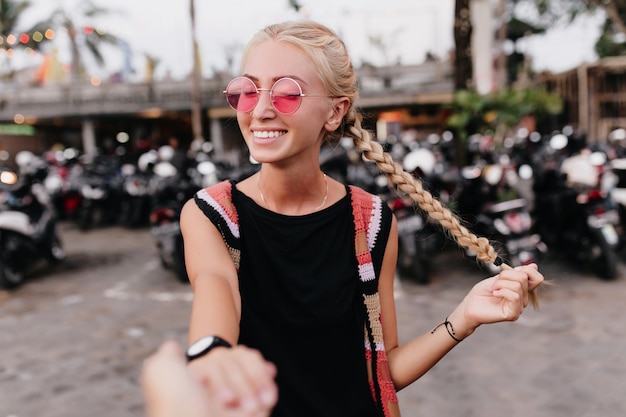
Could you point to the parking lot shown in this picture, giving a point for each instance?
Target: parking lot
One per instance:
(73, 337)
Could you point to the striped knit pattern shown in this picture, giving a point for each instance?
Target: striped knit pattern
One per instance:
(367, 213)
(216, 204)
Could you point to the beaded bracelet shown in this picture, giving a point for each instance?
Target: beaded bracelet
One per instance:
(449, 328)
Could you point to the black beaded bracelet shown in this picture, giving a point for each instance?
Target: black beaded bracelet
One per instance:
(449, 328)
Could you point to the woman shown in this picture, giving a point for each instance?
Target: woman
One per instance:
(293, 272)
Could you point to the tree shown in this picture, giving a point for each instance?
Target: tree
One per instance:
(550, 12)
(10, 14)
(196, 105)
(463, 71)
(83, 36)
(500, 111)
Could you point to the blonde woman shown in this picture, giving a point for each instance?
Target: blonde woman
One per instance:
(292, 271)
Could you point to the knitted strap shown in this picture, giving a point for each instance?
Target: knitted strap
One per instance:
(217, 204)
(367, 214)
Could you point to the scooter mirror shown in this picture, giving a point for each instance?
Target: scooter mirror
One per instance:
(206, 168)
(617, 135)
(381, 181)
(165, 169)
(127, 169)
(166, 153)
(525, 172)
(470, 172)
(146, 159)
(422, 158)
(597, 158)
(558, 142)
(207, 147)
(23, 158)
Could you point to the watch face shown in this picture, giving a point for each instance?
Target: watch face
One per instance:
(199, 346)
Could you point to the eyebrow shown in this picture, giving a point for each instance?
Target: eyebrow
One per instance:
(295, 77)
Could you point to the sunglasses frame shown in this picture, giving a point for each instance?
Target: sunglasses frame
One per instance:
(271, 90)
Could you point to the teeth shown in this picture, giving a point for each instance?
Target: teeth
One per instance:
(267, 134)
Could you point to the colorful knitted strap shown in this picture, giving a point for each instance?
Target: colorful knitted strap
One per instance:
(367, 215)
(217, 204)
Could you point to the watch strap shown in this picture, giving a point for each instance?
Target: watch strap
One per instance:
(204, 345)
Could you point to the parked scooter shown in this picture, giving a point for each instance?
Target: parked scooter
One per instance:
(170, 189)
(617, 182)
(135, 203)
(27, 222)
(419, 239)
(501, 214)
(574, 214)
(100, 190)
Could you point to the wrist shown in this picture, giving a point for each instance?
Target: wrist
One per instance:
(463, 327)
(204, 345)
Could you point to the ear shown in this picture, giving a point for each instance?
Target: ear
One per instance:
(338, 110)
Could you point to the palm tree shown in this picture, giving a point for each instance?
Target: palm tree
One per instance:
(83, 35)
(10, 14)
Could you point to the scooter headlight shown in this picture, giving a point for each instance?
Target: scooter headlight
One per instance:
(501, 227)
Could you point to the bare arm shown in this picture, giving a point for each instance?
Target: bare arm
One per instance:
(499, 298)
(239, 378)
(216, 307)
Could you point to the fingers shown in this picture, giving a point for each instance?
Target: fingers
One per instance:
(169, 390)
(514, 285)
(241, 379)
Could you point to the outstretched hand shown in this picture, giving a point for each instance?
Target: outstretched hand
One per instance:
(172, 389)
(502, 297)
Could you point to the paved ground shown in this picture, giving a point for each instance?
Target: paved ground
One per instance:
(73, 337)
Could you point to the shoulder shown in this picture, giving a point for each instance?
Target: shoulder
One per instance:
(216, 204)
(369, 203)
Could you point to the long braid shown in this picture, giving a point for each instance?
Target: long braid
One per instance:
(407, 183)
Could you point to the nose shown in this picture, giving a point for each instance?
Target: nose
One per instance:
(263, 105)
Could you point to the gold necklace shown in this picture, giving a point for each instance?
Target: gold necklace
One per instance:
(258, 186)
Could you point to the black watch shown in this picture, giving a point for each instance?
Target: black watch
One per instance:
(204, 345)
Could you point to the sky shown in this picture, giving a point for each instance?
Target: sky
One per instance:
(409, 28)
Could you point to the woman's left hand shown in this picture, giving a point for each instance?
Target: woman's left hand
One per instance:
(500, 298)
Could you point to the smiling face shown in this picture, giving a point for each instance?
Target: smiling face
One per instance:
(275, 137)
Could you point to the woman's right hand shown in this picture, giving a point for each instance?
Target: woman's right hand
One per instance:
(239, 379)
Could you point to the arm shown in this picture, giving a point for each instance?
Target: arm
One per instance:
(239, 377)
(216, 307)
(499, 298)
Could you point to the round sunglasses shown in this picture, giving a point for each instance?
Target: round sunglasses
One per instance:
(286, 95)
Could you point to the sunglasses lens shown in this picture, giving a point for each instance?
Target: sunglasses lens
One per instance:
(286, 95)
(241, 94)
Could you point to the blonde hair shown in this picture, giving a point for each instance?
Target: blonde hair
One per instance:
(330, 57)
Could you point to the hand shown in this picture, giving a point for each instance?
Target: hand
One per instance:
(240, 380)
(172, 389)
(169, 388)
(500, 298)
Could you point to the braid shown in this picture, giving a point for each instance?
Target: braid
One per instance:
(413, 187)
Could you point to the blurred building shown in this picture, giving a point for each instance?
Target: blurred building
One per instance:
(594, 96)
(88, 116)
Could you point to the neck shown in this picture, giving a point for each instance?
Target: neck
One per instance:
(322, 199)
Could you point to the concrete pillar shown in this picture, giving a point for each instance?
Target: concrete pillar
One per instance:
(89, 138)
(217, 138)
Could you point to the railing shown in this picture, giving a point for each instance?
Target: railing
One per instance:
(380, 86)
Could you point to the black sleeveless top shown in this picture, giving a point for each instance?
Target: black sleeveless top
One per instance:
(302, 307)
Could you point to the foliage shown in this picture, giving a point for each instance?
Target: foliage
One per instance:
(10, 14)
(551, 12)
(499, 111)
